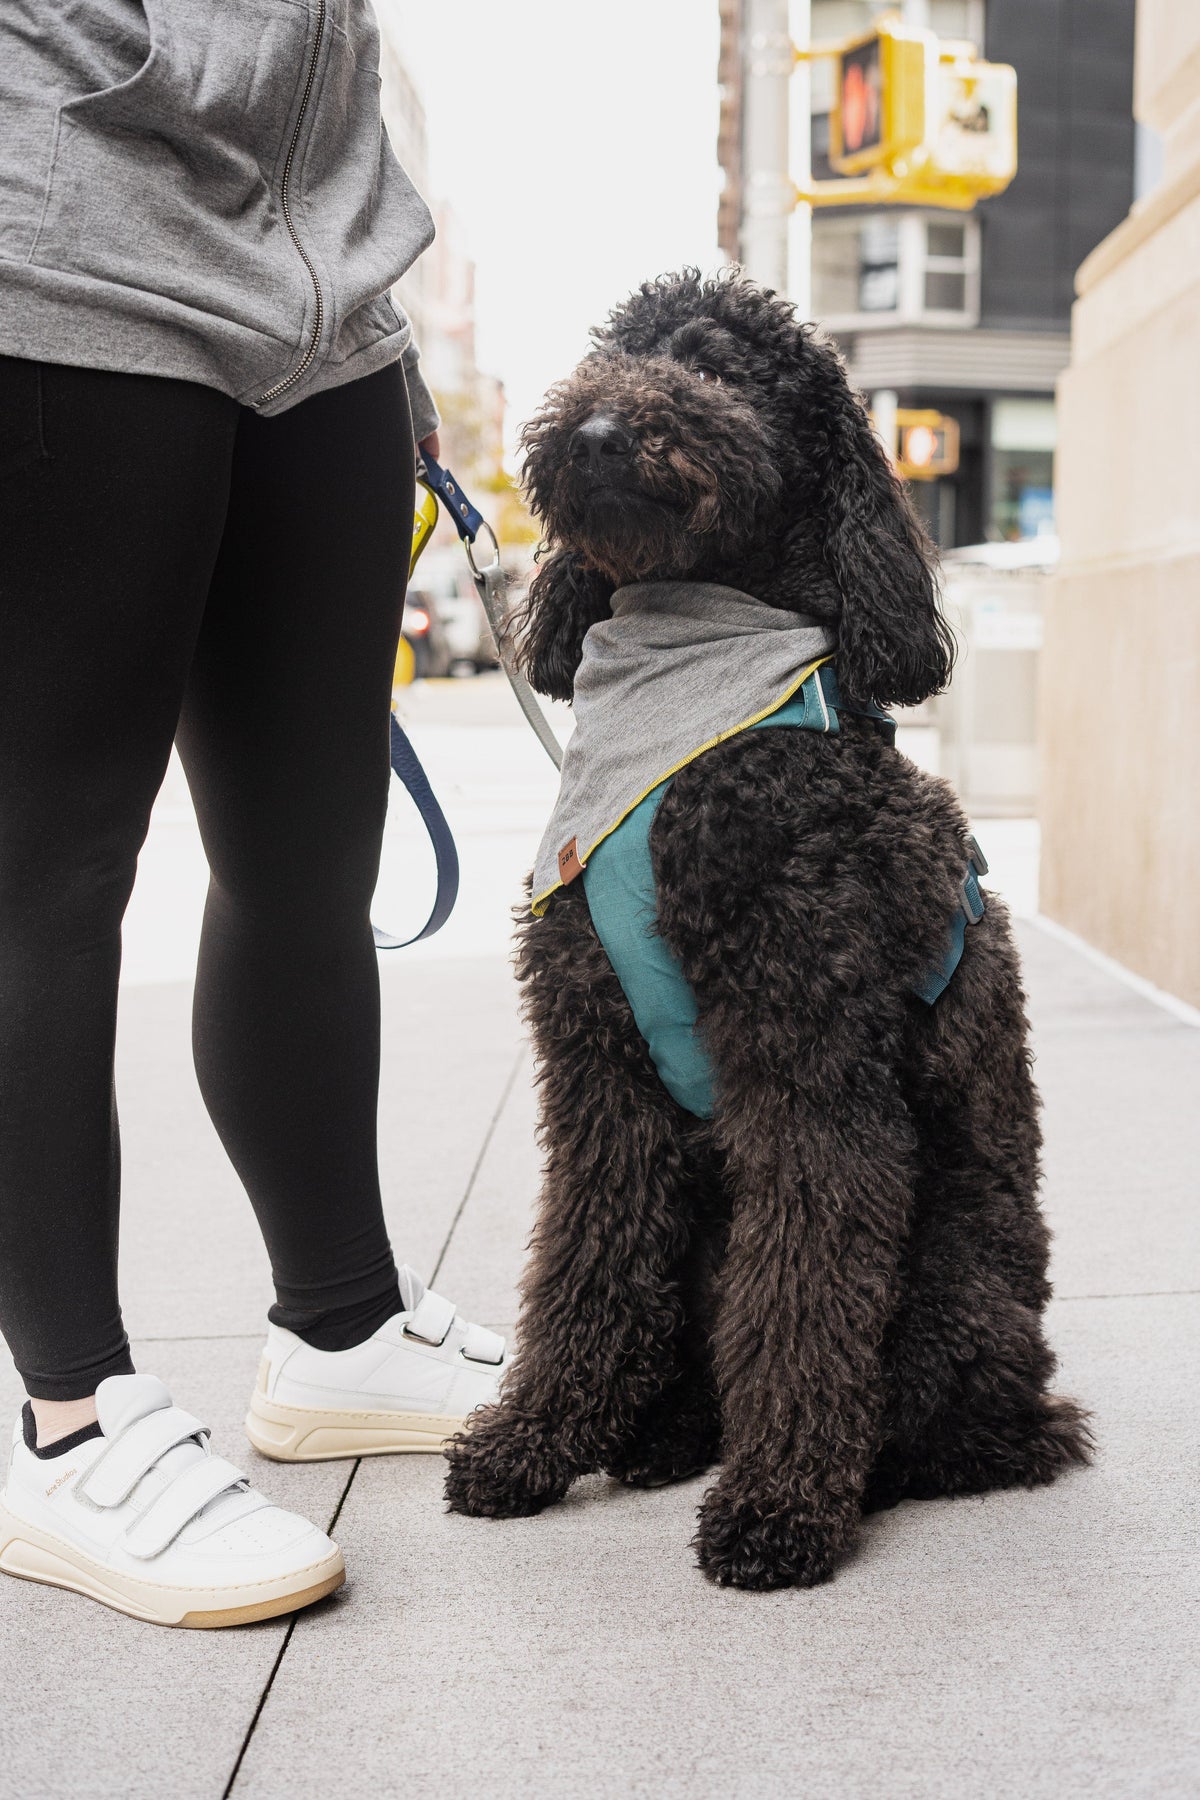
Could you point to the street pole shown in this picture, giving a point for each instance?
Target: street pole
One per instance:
(799, 283)
(885, 401)
(768, 187)
(884, 404)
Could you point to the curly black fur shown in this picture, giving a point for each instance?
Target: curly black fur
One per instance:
(836, 1286)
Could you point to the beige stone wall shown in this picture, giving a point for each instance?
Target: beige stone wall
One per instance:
(1120, 688)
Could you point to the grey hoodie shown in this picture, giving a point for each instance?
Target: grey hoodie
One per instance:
(203, 189)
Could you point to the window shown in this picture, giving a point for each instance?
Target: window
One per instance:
(946, 266)
(1023, 436)
(895, 269)
(879, 265)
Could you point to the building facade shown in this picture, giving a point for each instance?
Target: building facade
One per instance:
(969, 314)
(1120, 725)
(438, 292)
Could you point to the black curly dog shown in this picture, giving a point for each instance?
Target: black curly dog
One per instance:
(835, 1286)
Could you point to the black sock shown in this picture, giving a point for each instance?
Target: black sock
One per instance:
(60, 1446)
(340, 1327)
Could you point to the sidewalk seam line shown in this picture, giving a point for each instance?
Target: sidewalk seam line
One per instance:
(283, 1650)
(488, 1135)
(1132, 1294)
(201, 1337)
(262, 1701)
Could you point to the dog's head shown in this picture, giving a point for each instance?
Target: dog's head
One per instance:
(709, 436)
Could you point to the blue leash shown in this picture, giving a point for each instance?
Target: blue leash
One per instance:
(406, 764)
(467, 519)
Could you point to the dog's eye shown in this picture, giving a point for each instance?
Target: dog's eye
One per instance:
(708, 375)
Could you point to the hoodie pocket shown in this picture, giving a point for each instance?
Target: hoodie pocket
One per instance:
(166, 185)
(76, 56)
(114, 97)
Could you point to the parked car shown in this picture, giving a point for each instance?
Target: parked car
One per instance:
(424, 645)
(443, 580)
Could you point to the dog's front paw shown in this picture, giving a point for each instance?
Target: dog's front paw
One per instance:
(676, 1440)
(502, 1467)
(758, 1543)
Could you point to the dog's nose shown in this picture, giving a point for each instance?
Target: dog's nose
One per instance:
(603, 442)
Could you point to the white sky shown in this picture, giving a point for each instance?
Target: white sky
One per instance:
(577, 144)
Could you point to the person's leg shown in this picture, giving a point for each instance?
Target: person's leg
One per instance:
(284, 736)
(113, 490)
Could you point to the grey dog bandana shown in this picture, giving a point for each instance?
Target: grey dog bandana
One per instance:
(679, 666)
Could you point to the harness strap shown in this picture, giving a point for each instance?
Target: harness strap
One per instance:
(826, 675)
(971, 908)
(618, 880)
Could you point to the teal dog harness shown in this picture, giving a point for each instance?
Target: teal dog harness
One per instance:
(618, 880)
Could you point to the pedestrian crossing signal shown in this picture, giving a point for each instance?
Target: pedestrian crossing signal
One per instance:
(916, 121)
(880, 113)
(862, 101)
(926, 445)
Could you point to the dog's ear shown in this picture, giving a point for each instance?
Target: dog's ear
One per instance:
(894, 645)
(549, 627)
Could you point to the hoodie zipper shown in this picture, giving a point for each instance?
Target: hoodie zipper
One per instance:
(281, 387)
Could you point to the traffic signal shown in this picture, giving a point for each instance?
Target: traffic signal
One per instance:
(926, 444)
(880, 113)
(916, 121)
(861, 110)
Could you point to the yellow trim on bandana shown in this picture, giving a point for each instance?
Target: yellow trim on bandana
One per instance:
(538, 906)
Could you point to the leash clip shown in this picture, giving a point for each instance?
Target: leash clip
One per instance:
(491, 584)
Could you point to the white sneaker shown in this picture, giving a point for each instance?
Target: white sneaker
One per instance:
(409, 1387)
(147, 1520)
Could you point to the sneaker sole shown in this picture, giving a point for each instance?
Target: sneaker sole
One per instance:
(32, 1554)
(313, 1434)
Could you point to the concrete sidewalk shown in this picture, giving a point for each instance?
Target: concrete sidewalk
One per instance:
(1021, 1644)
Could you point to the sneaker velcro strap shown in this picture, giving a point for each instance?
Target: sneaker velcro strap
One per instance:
(431, 1319)
(177, 1505)
(114, 1475)
(483, 1346)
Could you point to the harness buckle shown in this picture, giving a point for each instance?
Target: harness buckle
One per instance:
(970, 895)
(975, 855)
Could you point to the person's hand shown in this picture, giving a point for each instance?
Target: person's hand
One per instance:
(433, 444)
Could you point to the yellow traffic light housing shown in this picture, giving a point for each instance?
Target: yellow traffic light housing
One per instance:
(916, 121)
(879, 113)
(926, 444)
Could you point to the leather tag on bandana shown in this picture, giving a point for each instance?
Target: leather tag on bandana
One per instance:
(569, 865)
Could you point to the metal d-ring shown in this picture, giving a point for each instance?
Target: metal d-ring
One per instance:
(469, 546)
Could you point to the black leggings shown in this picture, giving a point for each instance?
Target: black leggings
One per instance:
(174, 566)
